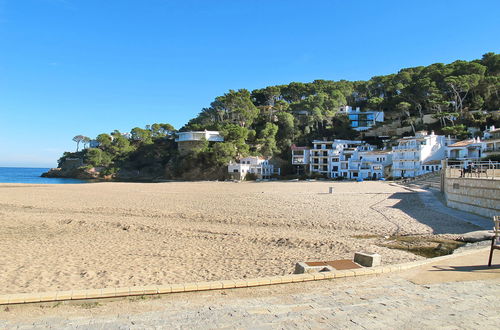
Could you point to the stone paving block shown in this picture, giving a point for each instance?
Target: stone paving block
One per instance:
(121, 292)
(108, 292)
(64, 295)
(308, 277)
(216, 285)
(80, 294)
(319, 276)
(94, 293)
(190, 287)
(386, 269)
(31, 297)
(4, 299)
(360, 271)
(341, 273)
(330, 275)
(48, 296)
(298, 278)
(136, 291)
(164, 288)
(395, 268)
(240, 283)
(287, 279)
(177, 288)
(16, 299)
(228, 284)
(275, 279)
(150, 289)
(204, 285)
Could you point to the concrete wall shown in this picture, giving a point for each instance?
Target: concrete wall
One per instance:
(479, 196)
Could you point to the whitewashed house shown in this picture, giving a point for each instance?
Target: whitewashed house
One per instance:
(371, 164)
(472, 149)
(258, 166)
(419, 154)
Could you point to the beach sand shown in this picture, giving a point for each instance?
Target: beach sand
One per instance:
(62, 237)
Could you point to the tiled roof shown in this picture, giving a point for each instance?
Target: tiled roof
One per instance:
(463, 143)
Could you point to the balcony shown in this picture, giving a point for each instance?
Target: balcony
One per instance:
(406, 147)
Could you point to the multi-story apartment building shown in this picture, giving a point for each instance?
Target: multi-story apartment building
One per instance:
(341, 158)
(419, 154)
(331, 158)
(300, 159)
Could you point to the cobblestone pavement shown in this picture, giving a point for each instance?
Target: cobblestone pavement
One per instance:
(451, 296)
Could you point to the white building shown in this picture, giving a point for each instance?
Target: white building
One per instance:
(331, 158)
(472, 149)
(491, 133)
(362, 121)
(211, 136)
(300, 158)
(373, 164)
(419, 154)
(258, 166)
(342, 158)
(188, 141)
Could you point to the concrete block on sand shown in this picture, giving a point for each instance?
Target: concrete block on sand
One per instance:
(367, 259)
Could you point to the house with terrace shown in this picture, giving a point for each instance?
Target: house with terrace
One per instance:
(472, 149)
(419, 154)
(187, 141)
(260, 167)
(370, 164)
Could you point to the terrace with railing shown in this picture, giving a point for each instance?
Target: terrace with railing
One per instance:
(473, 169)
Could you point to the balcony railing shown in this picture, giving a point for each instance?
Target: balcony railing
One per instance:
(407, 147)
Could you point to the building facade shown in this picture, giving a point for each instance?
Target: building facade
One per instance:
(348, 159)
(419, 154)
(472, 149)
(258, 166)
(374, 164)
(187, 141)
(362, 121)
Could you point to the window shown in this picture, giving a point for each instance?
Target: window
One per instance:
(235, 170)
(355, 174)
(335, 168)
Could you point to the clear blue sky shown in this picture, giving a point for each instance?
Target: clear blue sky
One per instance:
(71, 67)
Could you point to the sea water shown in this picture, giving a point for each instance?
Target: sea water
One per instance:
(30, 175)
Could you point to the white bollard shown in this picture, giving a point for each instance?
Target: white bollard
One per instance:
(330, 190)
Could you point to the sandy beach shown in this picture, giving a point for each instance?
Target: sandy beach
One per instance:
(62, 237)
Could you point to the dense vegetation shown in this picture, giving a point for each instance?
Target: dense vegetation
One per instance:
(268, 121)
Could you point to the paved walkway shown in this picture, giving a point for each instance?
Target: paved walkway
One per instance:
(434, 199)
(456, 293)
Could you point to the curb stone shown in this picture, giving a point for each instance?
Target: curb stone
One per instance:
(27, 298)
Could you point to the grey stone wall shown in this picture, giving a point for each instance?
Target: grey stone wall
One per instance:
(479, 196)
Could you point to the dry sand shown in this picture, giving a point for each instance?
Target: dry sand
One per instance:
(62, 237)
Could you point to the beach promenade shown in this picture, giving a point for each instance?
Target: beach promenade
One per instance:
(458, 293)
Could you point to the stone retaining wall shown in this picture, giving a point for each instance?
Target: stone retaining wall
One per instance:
(479, 196)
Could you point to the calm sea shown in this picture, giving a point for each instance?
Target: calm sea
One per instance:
(30, 175)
